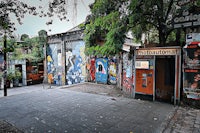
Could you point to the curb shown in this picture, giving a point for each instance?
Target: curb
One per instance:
(67, 86)
(168, 121)
(6, 127)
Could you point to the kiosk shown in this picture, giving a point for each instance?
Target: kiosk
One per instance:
(158, 73)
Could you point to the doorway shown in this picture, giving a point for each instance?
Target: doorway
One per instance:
(165, 78)
(18, 82)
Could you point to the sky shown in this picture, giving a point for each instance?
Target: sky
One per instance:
(33, 24)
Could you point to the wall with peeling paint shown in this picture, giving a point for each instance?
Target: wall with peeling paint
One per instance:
(127, 76)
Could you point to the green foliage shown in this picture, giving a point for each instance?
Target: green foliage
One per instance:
(10, 75)
(18, 74)
(29, 49)
(42, 37)
(105, 27)
(112, 19)
(24, 37)
(19, 8)
(1, 75)
(13, 74)
(10, 45)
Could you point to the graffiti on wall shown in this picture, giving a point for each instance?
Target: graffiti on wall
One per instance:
(54, 68)
(83, 56)
(75, 60)
(113, 71)
(91, 70)
(50, 69)
(127, 74)
(101, 70)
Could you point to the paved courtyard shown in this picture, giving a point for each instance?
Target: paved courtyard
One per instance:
(67, 109)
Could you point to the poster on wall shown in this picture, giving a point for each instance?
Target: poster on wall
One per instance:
(191, 83)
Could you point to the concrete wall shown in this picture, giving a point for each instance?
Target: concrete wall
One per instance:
(75, 62)
(66, 60)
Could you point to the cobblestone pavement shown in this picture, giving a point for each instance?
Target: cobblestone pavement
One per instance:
(181, 120)
(62, 110)
(94, 88)
(184, 120)
(6, 127)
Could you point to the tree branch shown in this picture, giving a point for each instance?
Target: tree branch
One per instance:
(169, 9)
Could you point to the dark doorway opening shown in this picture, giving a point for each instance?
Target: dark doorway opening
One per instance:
(18, 82)
(165, 78)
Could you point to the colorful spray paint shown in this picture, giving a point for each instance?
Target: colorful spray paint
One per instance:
(128, 77)
(112, 71)
(75, 62)
(101, 70)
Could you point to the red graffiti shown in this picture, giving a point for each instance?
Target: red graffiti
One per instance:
(127, 83)
(92, 70)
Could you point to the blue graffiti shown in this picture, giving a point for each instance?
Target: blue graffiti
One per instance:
(74, 73)
(101, 70)
(73, 62)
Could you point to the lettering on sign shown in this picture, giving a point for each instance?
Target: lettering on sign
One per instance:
(184, 2)
(187, 18)
(158, 52)
(190, 17)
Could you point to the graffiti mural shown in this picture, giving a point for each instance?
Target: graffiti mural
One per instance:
(54, 68)
(92, 69)
(112, 71)
(101, 70)
(127, 74)
(75, 62)
(83, 64)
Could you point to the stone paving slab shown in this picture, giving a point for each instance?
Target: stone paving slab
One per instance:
(94, 88)
(68, 109)
(6, 127)
(63, 110)
(184, 120)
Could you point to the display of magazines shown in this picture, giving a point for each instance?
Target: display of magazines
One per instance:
(191, 70)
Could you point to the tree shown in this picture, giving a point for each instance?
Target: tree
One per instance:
(28, 49)
(112, 19)
(19, 8)
(24, 37)
(104, 25)
(156, 14)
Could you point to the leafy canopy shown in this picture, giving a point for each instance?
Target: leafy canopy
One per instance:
(18, 8)
(104, 26)
(28, 49)
(112, 19)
